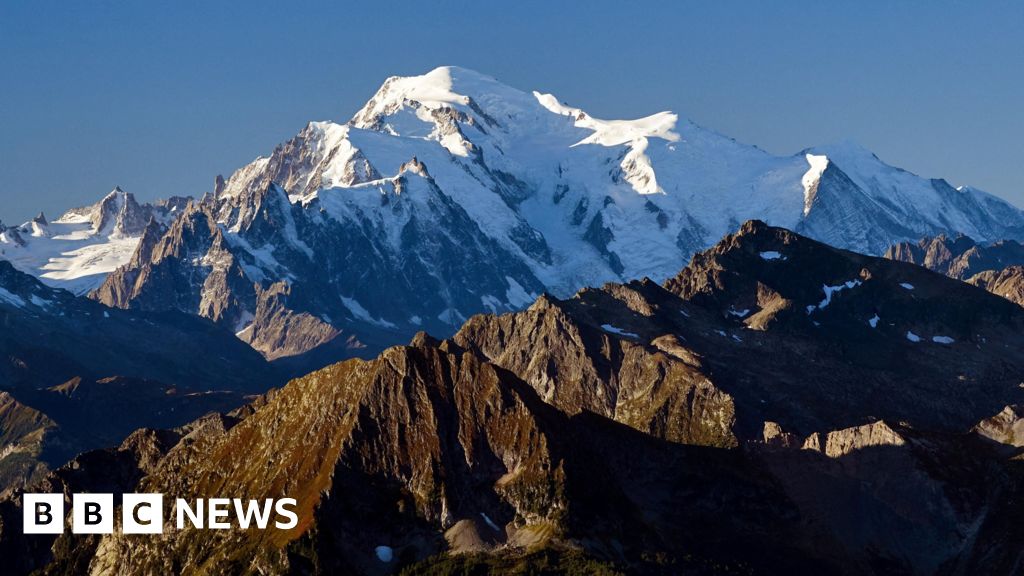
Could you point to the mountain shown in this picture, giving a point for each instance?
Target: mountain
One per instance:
(779, 406)
(77, 250)
(50, 336)
(450, 193)
(960, 257)
(1008, 283)
(767, 326)
(76, 375)
(996, 267)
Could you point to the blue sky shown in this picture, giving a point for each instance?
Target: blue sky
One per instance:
(159, 97)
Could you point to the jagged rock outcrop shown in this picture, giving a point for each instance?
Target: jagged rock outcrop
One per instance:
(23, 433)
(1008, 283)
(959, 257)
(235, 270)
(1007, 427)
(78, 249)
(561, 349)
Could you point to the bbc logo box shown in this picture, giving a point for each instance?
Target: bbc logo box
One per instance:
(43, 513)
(92, 513)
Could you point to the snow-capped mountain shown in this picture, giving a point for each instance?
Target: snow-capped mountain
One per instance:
(450, 193)
(77, 250)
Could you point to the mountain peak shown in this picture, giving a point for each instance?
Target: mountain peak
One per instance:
(452, 87)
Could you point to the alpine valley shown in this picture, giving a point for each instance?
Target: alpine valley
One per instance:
(475, 330)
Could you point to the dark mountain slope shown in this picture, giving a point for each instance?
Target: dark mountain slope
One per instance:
(768, 326)
(95, 373)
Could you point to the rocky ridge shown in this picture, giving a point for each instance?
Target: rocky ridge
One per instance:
(741, 416)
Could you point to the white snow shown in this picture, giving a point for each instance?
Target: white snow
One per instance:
(810, 179)
(71, 255)
(516, 295)
(619, 331)
(11, 298)
(942, 340)
(647, 179)
(873, 321)
(490, 523)
(41, 302)
(491, 303)
(384, 553)
(829, 291)
(907, 286)
(451, 316)
(433, 89)
(740, 313)
(362, 313)
(913, 337)
(615, 132)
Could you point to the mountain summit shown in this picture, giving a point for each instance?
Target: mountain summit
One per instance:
(451, 193)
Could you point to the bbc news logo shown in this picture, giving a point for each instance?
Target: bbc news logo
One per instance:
(144, 513)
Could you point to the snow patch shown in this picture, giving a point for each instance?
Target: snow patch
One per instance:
(11, 298)
(451, 316)
(41, 302)
(619, 331)
(811, 177)
(873, 321)
(772, 255)
(384, 553)
(492, 303)
(942, 340)
(490, 522)
(907, 285)
(740, 313)
(243, 322)
(516, 295)
(913, 337)
(829, 291)
(362, 313)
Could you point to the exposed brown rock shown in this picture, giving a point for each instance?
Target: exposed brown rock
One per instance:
(1007, 427)
(1008, 283)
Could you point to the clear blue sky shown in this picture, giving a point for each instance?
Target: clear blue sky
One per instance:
(159, 97)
